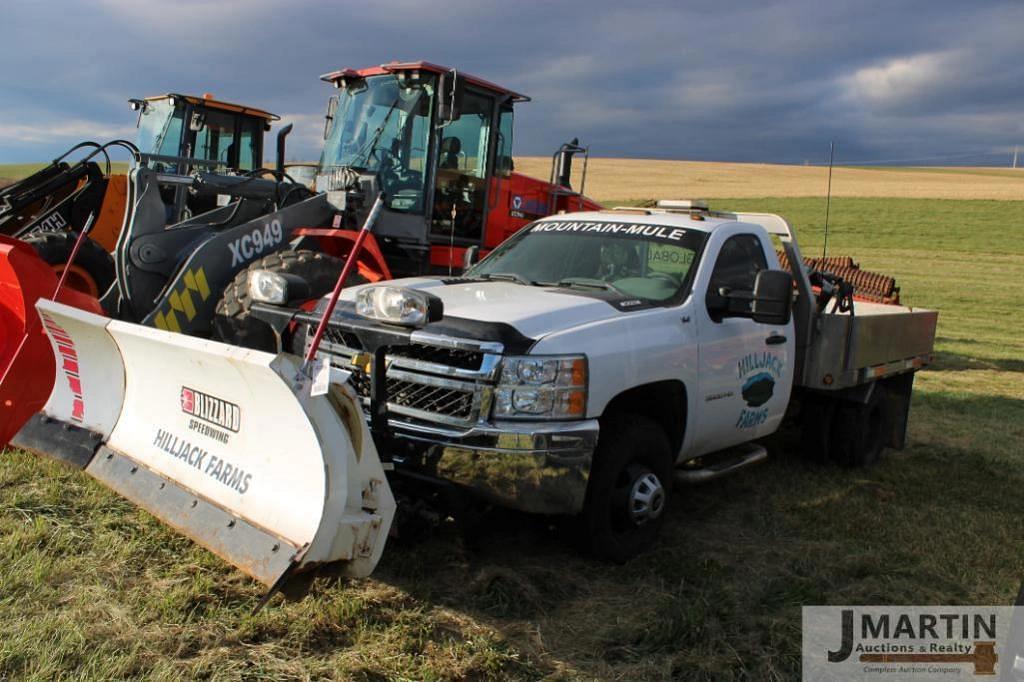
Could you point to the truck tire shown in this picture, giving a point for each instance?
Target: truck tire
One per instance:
(629, 489)
(817, 422)
(93, 270)
(232, 321)
(858, 436)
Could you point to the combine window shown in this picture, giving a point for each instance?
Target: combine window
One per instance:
(461, 197)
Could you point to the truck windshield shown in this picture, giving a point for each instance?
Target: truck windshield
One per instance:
(382, 127)
(160, 128)
(651, 262)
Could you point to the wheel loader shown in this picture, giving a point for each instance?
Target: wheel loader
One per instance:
(176, 133)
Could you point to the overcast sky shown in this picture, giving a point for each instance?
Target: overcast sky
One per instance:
(929, 81)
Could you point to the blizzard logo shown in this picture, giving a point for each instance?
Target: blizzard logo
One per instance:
(68, 365)
(210, 409)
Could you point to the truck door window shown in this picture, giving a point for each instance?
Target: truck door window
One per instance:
(738, 263)
(462, 171)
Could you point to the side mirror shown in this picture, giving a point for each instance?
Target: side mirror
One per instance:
(470, 257)
(449, 96)
(332, 107)
(773, 297)
(198, 121)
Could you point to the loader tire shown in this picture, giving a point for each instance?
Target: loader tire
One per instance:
(232, 321)
(93, 270)
(858, 436)
(629, 489)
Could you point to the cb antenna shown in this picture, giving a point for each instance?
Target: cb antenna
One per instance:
(828, 194)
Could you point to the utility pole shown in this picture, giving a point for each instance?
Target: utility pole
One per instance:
(1015, 156)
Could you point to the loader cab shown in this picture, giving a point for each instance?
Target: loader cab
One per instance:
(182, 134)
(439, 146)
(216, 135)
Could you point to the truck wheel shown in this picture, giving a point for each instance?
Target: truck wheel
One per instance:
(858, 437)
(629, 489)
(93, 270)
(817, 422)
(232, 321)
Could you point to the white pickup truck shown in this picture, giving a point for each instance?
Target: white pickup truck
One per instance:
(593, 359)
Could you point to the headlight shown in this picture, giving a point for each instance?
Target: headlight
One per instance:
(268, 287)
(542, 387)
(398, 305)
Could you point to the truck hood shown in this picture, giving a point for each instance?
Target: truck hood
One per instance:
(533, 311)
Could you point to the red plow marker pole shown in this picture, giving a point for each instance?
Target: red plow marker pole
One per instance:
(378, 204)
(30, 328)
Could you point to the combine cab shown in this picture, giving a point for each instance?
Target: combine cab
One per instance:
(436, 143)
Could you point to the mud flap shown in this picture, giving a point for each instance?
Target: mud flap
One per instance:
(219, 442)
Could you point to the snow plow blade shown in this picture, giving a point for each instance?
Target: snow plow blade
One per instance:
(26, 360)
(219, 442)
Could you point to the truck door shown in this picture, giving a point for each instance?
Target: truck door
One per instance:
(745, 366)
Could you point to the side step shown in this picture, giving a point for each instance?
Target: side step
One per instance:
(724, 462)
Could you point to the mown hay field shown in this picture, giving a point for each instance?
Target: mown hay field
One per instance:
(91, 587)
(631, 179)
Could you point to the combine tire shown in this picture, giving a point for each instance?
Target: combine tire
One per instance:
(858, 436)
(233, 323)
(629, 489)
(93, 270)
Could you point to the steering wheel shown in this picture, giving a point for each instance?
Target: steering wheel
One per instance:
(388, 168)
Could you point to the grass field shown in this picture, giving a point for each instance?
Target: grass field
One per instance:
(91, 587)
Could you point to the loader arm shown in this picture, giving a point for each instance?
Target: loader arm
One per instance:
(171, 277)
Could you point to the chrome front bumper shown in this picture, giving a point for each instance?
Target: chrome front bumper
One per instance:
(538, 467)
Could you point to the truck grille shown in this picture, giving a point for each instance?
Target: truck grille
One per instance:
(453, 357)
(444, 384)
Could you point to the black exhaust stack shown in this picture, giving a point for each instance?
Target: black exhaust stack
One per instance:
(563, 162)
(281, 134)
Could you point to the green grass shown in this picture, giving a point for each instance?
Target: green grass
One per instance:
(958, 170)
(91, 587)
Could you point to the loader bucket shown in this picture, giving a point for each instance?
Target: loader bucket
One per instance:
(26, 360)
(219, 442)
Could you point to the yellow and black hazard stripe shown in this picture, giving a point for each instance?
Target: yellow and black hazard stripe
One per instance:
(180, 300)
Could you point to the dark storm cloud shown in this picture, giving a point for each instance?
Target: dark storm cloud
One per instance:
(704, 80)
